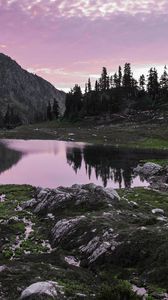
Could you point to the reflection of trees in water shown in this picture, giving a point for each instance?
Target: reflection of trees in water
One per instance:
(8, 157)
(74, 158)
(104, 161)
(108, 163)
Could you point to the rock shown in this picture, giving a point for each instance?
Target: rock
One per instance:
(160, 180)
(90, 195)
(29, 204)
(157, 211)
(142, 292)
(64, 227)
(71, 260)
(160, 296)
(99, 245)
(50, 200)
(2, 198)
(41, 290)
(148, 169)
(3, 268)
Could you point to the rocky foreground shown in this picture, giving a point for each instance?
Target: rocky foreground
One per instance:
(83, 242)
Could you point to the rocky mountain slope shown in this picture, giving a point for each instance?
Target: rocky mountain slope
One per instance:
(25, 93)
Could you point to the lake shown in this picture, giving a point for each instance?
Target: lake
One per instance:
(53, 163)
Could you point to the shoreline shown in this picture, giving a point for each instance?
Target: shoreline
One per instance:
(124, 135)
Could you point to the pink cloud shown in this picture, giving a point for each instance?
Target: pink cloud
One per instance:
(66, 41)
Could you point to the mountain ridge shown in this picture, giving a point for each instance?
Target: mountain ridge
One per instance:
(27, 94)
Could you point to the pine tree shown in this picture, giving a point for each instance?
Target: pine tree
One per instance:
(104, 80)
(153, 84)
(119, 76)
(73, 102)
(142, 82)
(86, 88)
(127, 77)
(108, 83)
(55, 109)
(96, 86)
(111, 81)
(164, 79)
(89, 86)
(115, 80)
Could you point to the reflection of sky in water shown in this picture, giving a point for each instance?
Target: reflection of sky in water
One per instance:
(44, 163)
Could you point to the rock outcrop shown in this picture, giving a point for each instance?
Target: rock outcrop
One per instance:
(156, 175)
(70, 243)
(42, 290)
(88, 196)
(26, 94)
(148, 169)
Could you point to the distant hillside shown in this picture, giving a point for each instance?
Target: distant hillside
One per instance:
(26, 95)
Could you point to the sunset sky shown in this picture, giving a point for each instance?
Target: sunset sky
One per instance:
(67, 41)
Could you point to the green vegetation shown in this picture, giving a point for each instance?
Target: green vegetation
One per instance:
(146, 198)
(127, 135)
(14, 222)
(121, 290)
(110, 280)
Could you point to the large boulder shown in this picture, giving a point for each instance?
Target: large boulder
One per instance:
(160, 180)
(148, 169)
(43, 291)
(64, 228)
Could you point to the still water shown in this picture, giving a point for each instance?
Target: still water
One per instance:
(53, 163)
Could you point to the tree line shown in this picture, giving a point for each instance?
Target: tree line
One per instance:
(118, 92)
(12, 117)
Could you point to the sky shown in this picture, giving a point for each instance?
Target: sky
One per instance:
(67, 41)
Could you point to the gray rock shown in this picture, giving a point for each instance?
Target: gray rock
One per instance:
(158, 211)
(65, 227)
(50, 200)
(148, 169)
(41, 290)
(99, 245)
(3, 268)
(160, 180)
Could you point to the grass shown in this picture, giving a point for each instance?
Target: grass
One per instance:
(15, 195)
(146, 198)
(145, 136)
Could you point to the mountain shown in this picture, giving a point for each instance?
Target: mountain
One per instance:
(23, 95)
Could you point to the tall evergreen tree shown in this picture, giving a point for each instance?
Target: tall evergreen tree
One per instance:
(127, 77)
(115, 79)
(111, 81)
(89, 86)
(164, 79)
(96, 86)
(73, 102)
(153, 84)
(86, 88)
(142, 82)
(104, 80)
(108, 83)
(119, 76)
(55, 109)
